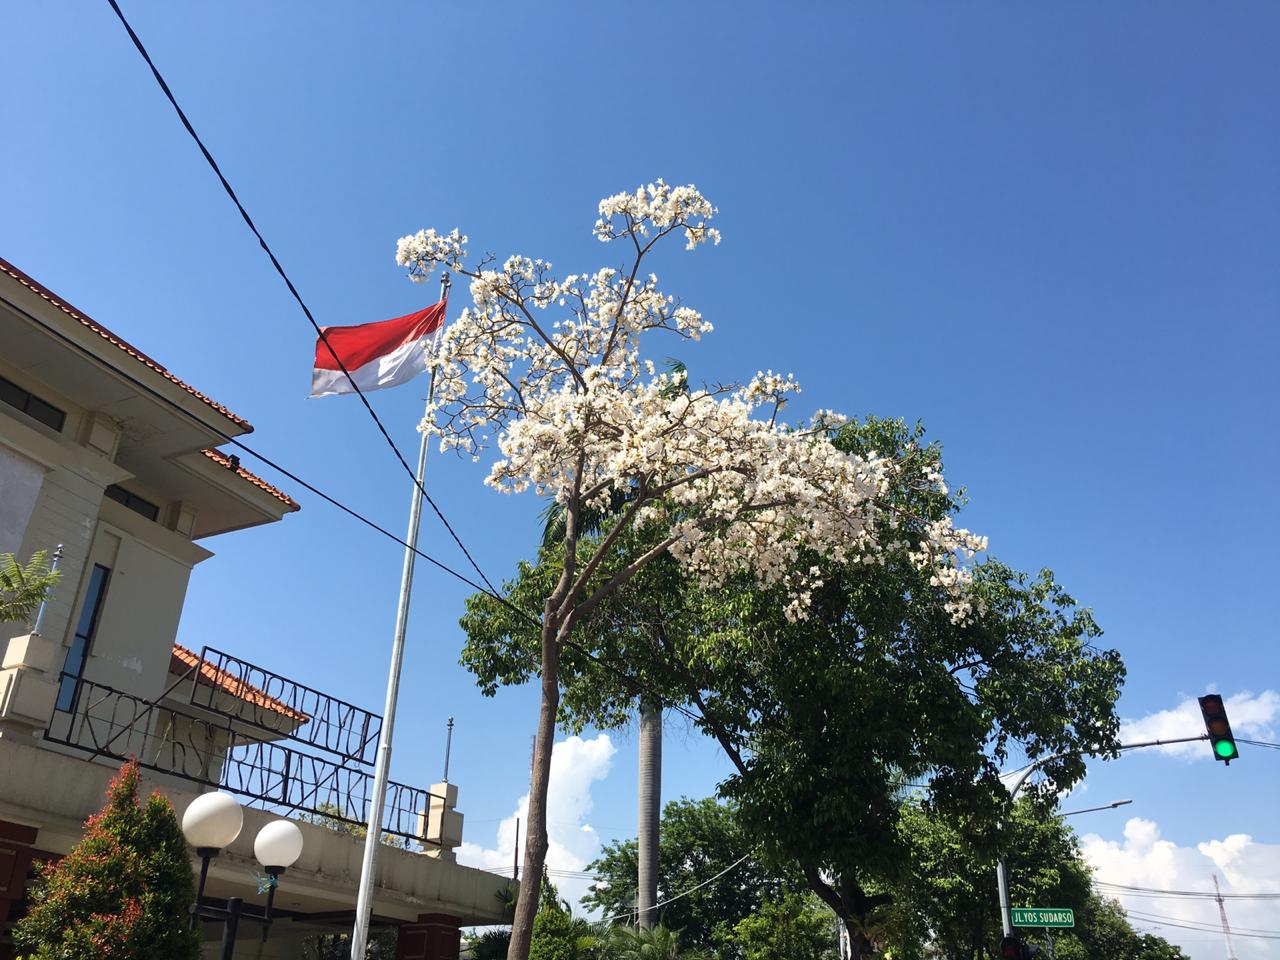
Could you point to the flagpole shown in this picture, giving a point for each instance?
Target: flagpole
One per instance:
(382, 767)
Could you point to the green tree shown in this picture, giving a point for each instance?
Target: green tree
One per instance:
(559, 935)
(124, 892)
(23, 588)
(948, 895)
(828, 720)
(795, 927)
(699, 839)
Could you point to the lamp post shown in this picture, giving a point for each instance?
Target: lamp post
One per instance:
(212, 823)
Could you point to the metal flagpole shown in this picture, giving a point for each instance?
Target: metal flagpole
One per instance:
(382, 768)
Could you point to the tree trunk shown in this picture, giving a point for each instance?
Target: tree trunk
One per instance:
(860, 948)
(535, 847)
(650, 807)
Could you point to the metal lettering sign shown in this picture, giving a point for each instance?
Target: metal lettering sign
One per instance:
(1043, 917)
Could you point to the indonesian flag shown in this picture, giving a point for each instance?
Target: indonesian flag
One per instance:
(377, 355)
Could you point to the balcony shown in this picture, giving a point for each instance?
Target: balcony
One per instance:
(275, 743)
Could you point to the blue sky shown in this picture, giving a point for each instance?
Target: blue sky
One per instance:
(1048, 231)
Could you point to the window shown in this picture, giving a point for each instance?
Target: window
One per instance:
(73, 669)
(133, 502)
(31, 405)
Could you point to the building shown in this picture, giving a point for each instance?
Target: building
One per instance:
(107, 454)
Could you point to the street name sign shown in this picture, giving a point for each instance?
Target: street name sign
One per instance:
(1043, 917)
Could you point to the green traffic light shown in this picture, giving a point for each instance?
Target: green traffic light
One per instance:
(1225, 749)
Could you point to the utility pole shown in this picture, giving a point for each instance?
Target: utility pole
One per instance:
(1222, 912)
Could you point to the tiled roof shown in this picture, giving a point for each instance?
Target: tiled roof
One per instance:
(223, 460)
(88, 322)
(209, 675)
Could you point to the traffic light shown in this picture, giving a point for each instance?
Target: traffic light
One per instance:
(1011, 948)
(1216, 723)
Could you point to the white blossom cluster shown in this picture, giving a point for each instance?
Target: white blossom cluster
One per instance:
(552, 368)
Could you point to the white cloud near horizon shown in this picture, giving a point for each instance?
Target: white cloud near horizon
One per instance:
(1253, 717)
(576, 765)
(1241, 864)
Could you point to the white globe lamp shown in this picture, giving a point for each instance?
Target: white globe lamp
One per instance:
(278, 845)
(212, 822)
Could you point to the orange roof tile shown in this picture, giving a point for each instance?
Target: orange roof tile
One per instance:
(91, 324)
(184, 660)
(222, 460)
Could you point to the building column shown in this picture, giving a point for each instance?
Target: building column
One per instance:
(435, 936)
(16, 854)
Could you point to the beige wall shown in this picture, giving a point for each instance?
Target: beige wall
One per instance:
(65, 510)
(150, 567)
(150, 564)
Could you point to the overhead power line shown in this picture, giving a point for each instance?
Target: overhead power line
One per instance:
(1188, 894)
(1259, 743)
(1206, 926)
(275, 262)
(683, 893)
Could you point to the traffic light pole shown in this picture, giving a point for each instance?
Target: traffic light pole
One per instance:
(1002, 885)
(1002, 871)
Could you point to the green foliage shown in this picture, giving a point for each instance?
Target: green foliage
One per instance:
(795, 927)
(23, 588)
(490, 945)
(637, 943)
(559, 935)
(123, 893)
(948, 895)
(698, 839)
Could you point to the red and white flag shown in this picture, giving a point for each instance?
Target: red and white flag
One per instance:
(382, 354)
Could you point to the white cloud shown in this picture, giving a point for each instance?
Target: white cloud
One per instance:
(1251, 716)
(576, 764)
(1242, 865)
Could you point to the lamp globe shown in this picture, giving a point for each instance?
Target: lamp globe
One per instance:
(278, 844)
(212, 821)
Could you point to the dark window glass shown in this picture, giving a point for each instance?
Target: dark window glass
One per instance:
(12, 394)
(133, 501)
(31, 405)
(73, 669)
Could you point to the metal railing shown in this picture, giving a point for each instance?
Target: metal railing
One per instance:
(225, 753)
(277, 704)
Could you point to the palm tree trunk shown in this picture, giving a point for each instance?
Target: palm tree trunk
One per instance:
(650, 776)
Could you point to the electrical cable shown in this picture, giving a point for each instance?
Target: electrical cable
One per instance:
(320, 333)
(1200, 894)
(1259, 743)
(663, 903)
(1206, 926)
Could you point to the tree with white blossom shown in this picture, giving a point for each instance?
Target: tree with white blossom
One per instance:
(552, 370)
